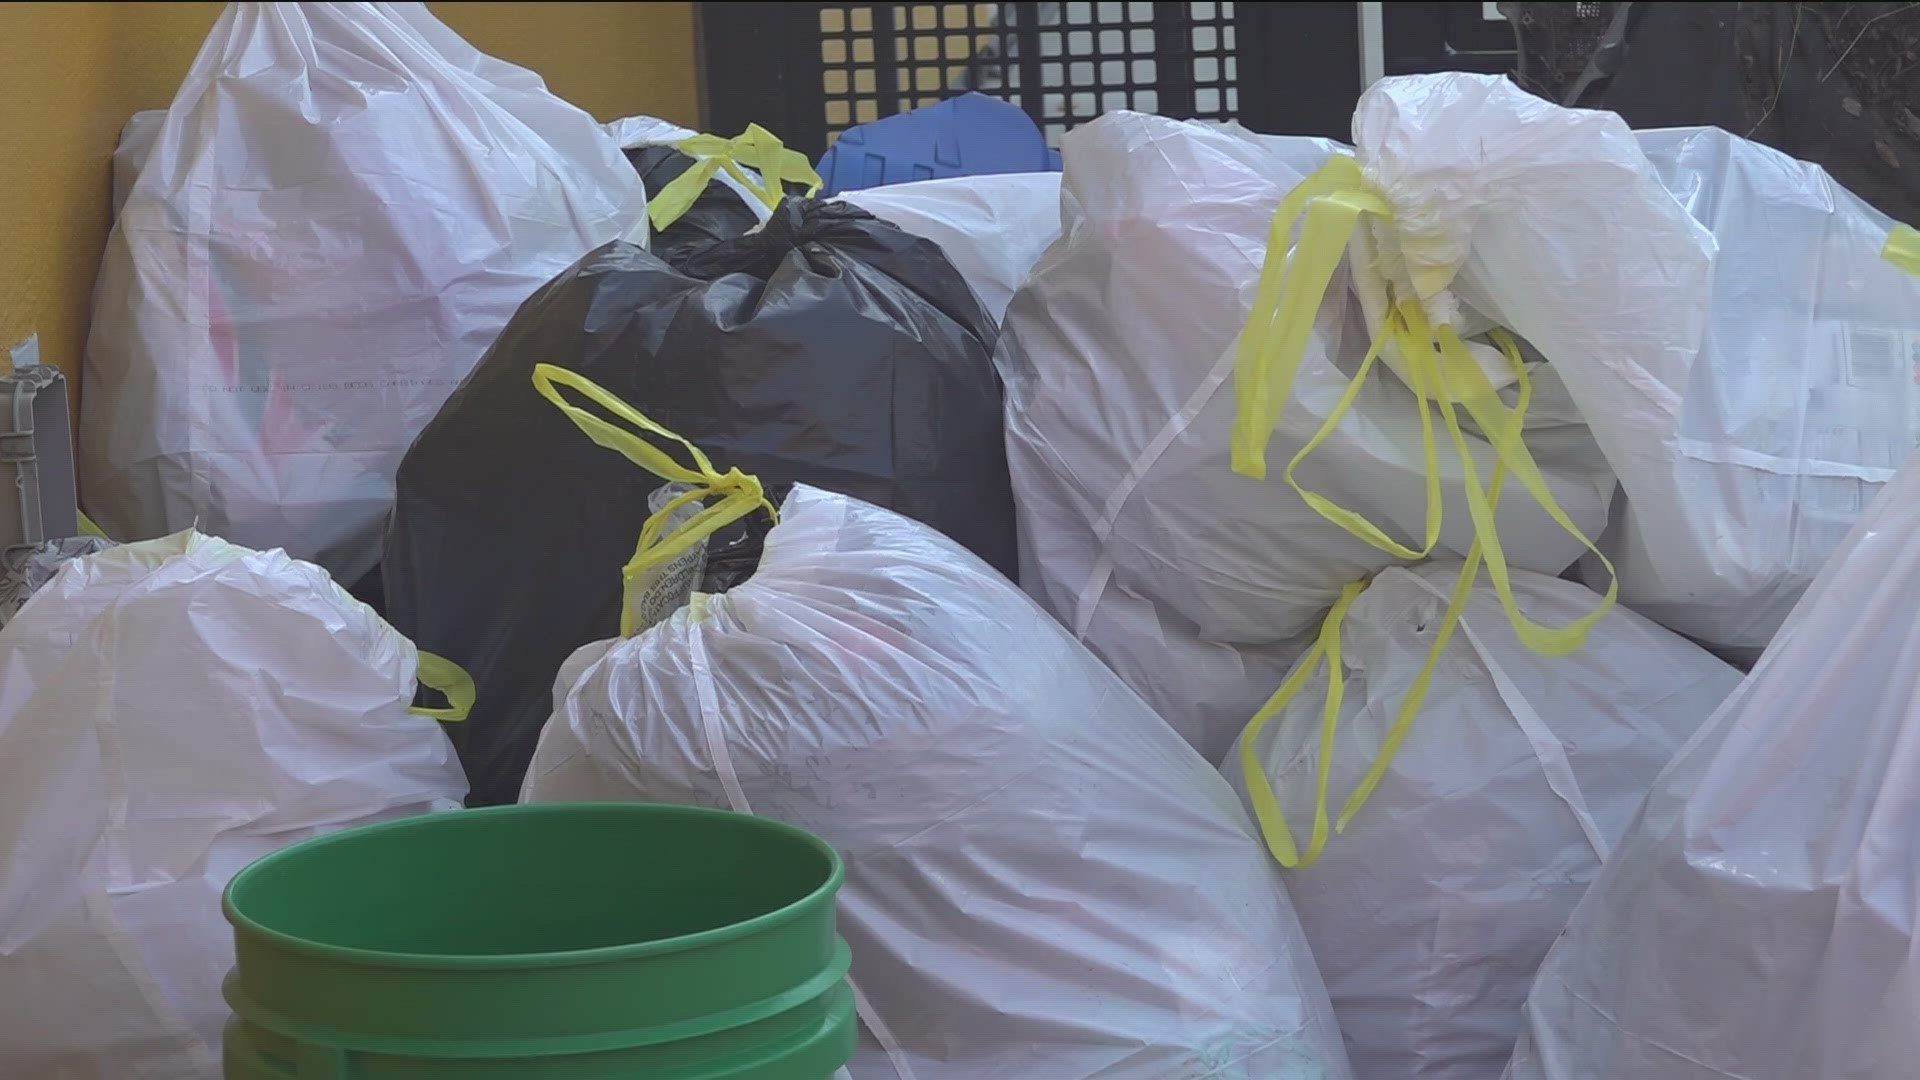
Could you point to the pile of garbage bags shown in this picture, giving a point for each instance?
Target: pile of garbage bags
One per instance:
(1244, 606)
(1118, 356)
(824, 347)
(1042, 878)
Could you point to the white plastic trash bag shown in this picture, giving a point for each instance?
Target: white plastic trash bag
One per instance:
(992, 227)
(1119, 358)
(1043, 880)
(1758, 920)
(169, 712)
(1722, 315)
(1799, 405)
(1474, 168)
(342, 207)
(1430, 912)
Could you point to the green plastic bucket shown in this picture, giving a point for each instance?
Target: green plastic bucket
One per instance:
(558, 941)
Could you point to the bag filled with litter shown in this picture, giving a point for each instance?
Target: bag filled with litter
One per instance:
(1478, 786)
(1043, 879)
(1735, 328)
(828, 347)
(170, 711)
(1758, 920)
(338, 213)
(1212, 403)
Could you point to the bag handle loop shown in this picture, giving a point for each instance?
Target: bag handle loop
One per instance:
(756, 148)
(738, 494)
(436, 672)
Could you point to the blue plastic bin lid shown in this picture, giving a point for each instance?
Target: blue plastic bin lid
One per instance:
(970, 135)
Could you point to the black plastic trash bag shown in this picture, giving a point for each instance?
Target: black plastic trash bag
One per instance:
(720, 213)
(829, 348)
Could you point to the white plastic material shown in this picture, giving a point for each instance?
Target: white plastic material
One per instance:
(1719, 311)
(1118, 357)
(1204, 689)
(657, 591)
(340, 211)
(1430, 913)
(1801, 403)
(1043, 880)
(25, 570)
(634, 132)
(992, 228)
(170, 711)
(1475, 167)
(1758, 921)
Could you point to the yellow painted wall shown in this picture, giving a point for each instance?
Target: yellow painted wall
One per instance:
(72, 73)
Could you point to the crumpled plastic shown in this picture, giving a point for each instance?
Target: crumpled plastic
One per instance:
(1758, 921)
(1429, 914)
(1043, 880)
(341, 209)
(827, 347)
(28, 567)
(1720, 313)
(170, 711)
(1118, 356)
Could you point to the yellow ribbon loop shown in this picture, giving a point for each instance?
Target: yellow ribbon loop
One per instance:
(1291, 291)
(1461, 380)
(1266, 808)
(1903, 248)
(737, 494)
(1350, 520)
(1440, 371)
(439, 673)
(757, 149)
(1416, 694)
(1442, 374)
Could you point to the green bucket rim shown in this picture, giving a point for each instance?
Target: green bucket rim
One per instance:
(836, 873)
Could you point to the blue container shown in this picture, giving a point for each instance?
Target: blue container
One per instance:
(970, 135)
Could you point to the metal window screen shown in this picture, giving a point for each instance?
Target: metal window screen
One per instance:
(1064, 63)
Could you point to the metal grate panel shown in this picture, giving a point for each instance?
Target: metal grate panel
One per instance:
(1063, 63)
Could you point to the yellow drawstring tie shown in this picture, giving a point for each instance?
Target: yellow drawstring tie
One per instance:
(1329, 205)
(1270, 351)
(439, 673)
(1903, 248)
(1266, 808)
(738, 494)
(757, 149)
